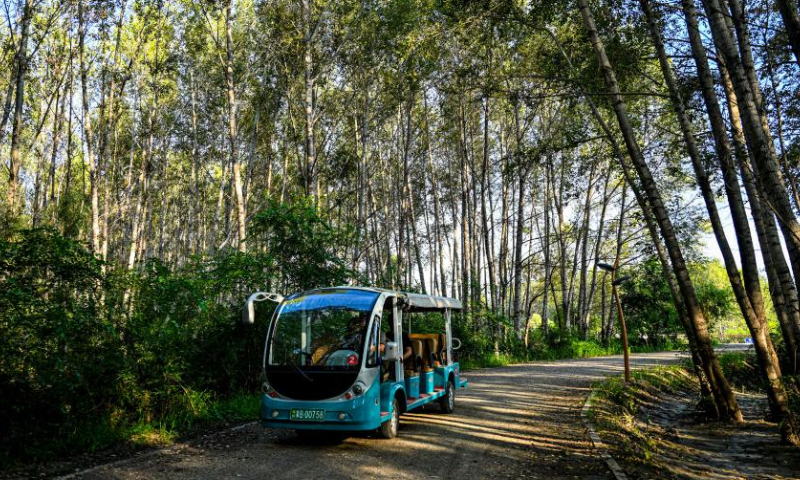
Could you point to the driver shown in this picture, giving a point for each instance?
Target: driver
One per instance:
(354, 332)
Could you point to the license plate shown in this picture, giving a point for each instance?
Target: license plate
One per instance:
(307, 415)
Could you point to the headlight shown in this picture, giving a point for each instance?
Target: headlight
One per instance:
(268, 390)
(359, 388)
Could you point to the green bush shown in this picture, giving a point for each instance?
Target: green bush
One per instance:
(60, 355)
(91, 354)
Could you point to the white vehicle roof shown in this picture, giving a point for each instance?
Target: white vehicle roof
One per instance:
(416, 301)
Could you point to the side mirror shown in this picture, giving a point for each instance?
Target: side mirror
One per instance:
(249, 311)
(402, 303)
(391, 352)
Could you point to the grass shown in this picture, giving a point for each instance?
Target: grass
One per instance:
(573, 349)
(205, 412)
(616, 409)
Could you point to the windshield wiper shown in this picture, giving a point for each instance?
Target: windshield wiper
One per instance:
(299, 370)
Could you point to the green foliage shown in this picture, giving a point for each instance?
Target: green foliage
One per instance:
(717, 299)
(90, 354)
(647, 303)
(792, 384)
(648, 307)
(301, 245)
(59, 353)
(741, 370)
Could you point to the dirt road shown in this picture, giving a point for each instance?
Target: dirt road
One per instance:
(511, 422)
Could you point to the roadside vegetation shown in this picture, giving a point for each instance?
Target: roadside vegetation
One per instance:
(616, 409)
(628, 416)
(112, 357)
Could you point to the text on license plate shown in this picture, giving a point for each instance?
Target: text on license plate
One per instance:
(307, 415)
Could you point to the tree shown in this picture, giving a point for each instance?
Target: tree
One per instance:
(723, 395)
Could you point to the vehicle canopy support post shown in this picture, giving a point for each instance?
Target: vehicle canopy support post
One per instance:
(397, 328)
(449, 334)
(305, 335)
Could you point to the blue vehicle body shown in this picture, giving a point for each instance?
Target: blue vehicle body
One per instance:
(362, 413)
(367, 401)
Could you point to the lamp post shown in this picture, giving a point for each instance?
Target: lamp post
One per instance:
(616, 281)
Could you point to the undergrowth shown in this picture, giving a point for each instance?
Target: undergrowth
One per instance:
(617, 408)
(565, 350)
(207, 412)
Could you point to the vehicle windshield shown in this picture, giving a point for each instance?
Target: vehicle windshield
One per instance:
(322, 330)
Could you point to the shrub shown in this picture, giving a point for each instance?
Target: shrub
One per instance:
(90, 353)
(60, 355)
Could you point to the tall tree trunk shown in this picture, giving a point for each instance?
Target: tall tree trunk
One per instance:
(782, 286)
(546, 248)
(309, 100)
(748, 295)
(582, 318)
(58, 124)
(465, 267)
(488, 246)
(791, 21)
(723, 394)
(241, 216)
(597, 245)
(437, 208)
(139, 215)
(558, 200)
(521, 177)
(88, 134)
(19, 104)
(9, 99)
(504, 224)
(408, 196)
(194, 189)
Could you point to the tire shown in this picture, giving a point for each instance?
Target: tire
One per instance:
(448, 401)
(389, 428)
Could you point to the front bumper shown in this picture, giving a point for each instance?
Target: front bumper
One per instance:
(359, 413)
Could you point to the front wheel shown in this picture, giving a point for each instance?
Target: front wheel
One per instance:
(448, 401)
(389, 427)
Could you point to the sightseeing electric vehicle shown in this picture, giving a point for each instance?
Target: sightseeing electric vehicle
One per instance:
(349, 358)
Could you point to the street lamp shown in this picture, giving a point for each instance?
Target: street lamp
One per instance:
(615, 282)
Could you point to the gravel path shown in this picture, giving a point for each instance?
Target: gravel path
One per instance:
(521, 421)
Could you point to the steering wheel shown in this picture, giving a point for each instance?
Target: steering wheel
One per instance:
(339, 358)
(454, 347)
